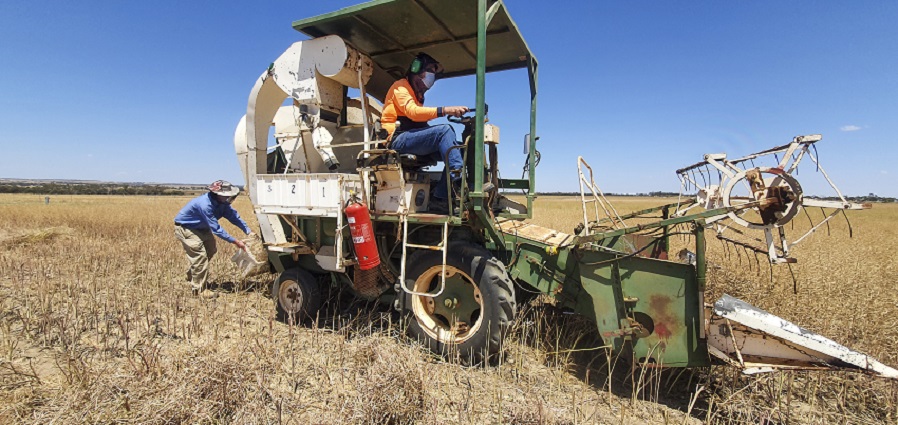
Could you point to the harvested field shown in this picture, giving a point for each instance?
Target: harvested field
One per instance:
(98, 326)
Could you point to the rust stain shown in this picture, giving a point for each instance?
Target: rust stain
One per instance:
(665, 320)
(662, 331)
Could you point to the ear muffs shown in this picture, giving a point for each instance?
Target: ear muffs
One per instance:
(421, 61)
(416, 65)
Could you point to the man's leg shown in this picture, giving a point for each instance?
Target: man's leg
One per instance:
(427, 141)
(209, 242)
(195, 248)
(209, 245)
(455, 162)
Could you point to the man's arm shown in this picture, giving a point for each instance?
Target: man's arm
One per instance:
(212, 222)
(234, 217)
(407, 106)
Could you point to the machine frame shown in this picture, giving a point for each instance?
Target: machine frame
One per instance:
(619, 276)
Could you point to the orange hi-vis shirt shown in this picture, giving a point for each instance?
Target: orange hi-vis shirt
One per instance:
(402, 102)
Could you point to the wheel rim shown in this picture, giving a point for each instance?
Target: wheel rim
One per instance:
(290, 296)
(456, 314)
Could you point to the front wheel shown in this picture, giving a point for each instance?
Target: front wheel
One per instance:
(474, 311)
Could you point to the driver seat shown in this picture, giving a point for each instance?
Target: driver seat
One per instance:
(379, 157)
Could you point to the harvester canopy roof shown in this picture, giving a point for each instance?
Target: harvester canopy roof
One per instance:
(391, 32)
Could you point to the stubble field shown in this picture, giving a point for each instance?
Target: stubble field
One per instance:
(97, 325)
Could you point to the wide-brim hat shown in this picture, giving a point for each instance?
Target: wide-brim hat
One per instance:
(223, 188)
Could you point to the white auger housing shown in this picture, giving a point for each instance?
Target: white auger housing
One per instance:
(314, 74)
(319, 132)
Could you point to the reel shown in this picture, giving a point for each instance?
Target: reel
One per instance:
(759, 198)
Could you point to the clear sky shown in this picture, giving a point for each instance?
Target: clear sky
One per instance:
(152, 91)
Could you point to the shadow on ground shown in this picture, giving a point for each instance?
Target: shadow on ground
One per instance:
(574, 343)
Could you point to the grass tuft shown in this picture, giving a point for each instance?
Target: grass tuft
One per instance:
(35, 236)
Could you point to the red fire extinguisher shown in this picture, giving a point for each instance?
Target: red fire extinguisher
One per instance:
(362, 235)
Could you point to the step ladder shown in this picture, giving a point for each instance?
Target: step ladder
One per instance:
(442, 247)
(403, 212)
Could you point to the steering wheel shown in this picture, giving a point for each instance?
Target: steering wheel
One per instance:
(467, 119)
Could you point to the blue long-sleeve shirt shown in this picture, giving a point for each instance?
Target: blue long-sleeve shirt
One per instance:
(203, 212)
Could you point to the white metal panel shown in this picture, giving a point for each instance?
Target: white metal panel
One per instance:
(305, 194)
(328, 259)
(390, 199)
(491, 134)
(272, 229)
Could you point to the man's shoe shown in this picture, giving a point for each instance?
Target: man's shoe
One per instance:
(438, 206)
(204, 294)
(456, 187)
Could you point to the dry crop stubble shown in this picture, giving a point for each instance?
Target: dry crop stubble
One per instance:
(845, 291)
(97, 325)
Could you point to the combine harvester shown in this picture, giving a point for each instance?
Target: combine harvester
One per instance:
(455, 277)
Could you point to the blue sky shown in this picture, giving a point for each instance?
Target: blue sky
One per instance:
(152, 91)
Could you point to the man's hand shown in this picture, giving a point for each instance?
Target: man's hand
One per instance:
(239, 244)
(455, 111)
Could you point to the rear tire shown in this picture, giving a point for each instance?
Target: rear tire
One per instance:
(296, 295)
(471, 316)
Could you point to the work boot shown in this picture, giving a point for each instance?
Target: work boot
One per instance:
(204, 294)
(456, 187)
(440, 207)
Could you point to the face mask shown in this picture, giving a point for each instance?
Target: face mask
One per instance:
(428, 79)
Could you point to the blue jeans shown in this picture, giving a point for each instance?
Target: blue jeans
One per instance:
(434, 141)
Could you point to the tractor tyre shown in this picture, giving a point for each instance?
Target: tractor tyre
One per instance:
(296, 295)
(470, 317)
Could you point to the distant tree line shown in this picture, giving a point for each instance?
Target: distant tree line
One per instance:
(657, 194)
(90, 189)
(156, 190)
(860, 199)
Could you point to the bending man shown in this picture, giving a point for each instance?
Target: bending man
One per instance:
(196, 224)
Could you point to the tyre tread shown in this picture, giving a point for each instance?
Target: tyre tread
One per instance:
(492, 273)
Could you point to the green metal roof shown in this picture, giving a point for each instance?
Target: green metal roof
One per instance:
(391, 32)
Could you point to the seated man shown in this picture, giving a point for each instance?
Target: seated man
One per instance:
(405, 119)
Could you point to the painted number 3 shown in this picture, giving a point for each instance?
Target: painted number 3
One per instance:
(269, 188)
